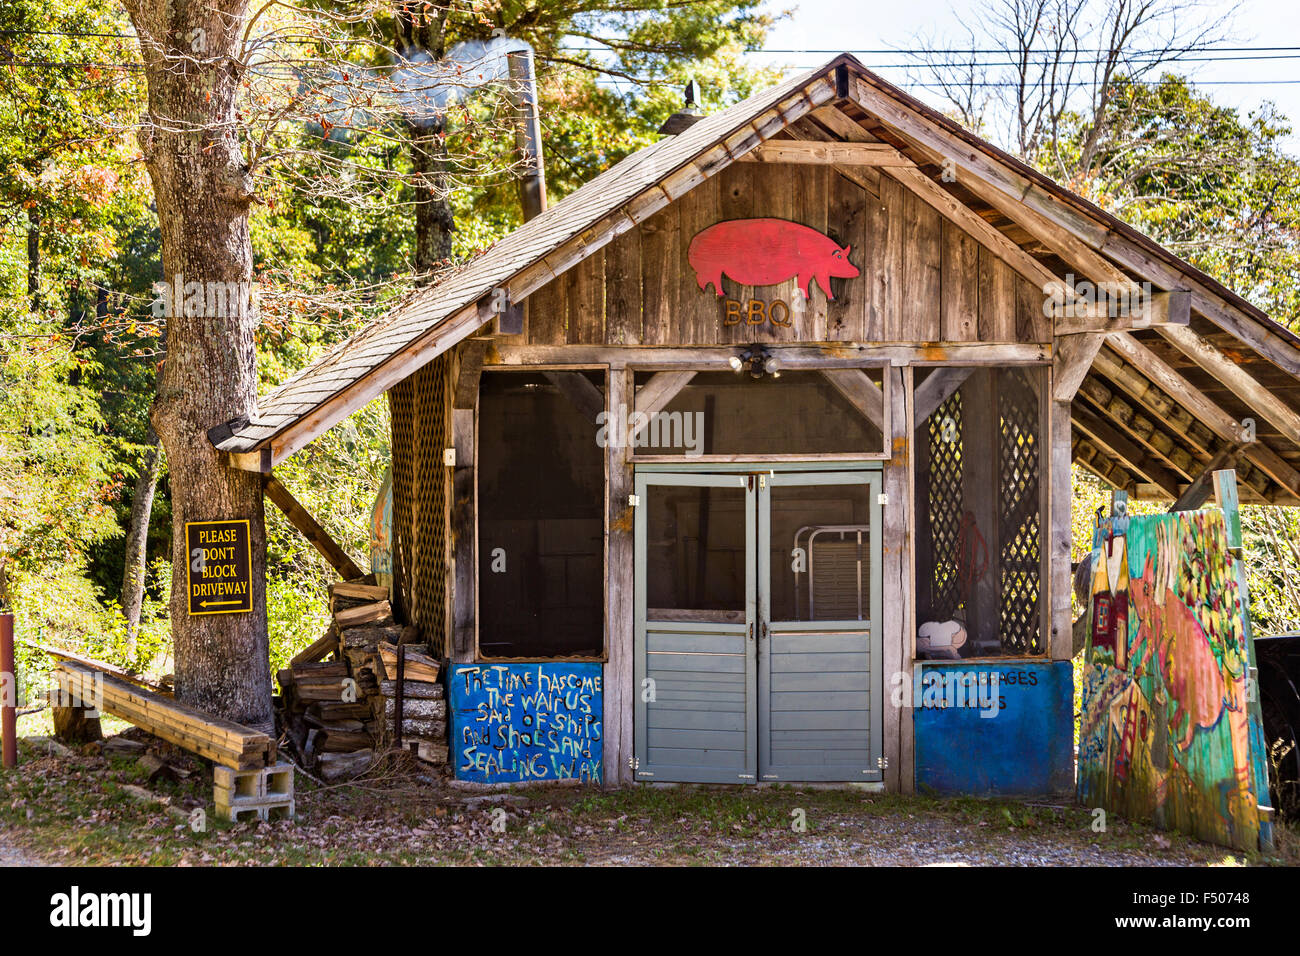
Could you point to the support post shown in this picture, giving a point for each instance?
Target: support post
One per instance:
(8, 692)
(1225, 495)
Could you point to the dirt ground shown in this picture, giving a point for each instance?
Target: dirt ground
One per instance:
(84, 808)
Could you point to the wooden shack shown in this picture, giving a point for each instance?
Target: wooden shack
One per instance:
(700, 473)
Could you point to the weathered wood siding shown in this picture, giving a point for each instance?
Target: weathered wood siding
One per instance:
(923, 279)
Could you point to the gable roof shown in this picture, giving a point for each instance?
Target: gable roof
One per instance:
(1073, 230)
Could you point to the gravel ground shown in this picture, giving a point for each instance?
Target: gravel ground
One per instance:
(86, 809)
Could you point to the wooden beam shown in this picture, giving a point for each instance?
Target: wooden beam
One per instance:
(973, 163)
(1128, 452)
(471, 355)
(1205, 409)
(793, 357)
(938, 387)
(464, 546)
(827, 153)
(1155, 309)
(1152, 438)
(1199, 491)
(1059, 536)
(310, 529)
(1071, 361)
(1087, 454)
(617, 743)
(585, 396)
(861, 392)
(661, 389)
(1240, 382)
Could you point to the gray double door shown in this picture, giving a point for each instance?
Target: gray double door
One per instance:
(757, 651)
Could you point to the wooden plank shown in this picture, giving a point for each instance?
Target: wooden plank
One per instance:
(224, 741)
(997, 299)
(660, 241)
(846, 224)
(960, 274)
(827, 153)
(922, 279)
(1072, 359)
(623, 305)
(310, 529)
(811, 194)
(327, 643)
(585, 287)
(885, 274)
(547, 314)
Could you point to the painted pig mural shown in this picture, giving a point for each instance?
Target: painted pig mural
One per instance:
(766, 252)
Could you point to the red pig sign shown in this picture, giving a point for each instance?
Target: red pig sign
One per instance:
(766, 252)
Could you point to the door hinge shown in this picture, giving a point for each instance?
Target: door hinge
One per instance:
(762, 481)
(882, 763)
(449, 457)
(882, 499)
(634, 763)
(634, 501)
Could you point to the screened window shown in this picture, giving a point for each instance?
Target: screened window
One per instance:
(833, 412)
(541, 496)
(979, 505)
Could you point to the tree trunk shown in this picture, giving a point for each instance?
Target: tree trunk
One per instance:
(422, 30)
(137, 538)
(34, 259)
(202, 189)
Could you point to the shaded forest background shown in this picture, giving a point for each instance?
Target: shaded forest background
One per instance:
(80, 340)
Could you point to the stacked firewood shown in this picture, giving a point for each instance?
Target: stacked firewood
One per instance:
(341, 712)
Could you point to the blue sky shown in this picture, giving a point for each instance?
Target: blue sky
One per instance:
(872, 25)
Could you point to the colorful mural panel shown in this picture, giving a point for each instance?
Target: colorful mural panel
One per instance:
(1166, 733)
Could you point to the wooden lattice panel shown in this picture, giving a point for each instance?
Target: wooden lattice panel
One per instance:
(1019, 515)
(945, 504)
(421, 424)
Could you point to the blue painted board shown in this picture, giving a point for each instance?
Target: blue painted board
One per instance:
(1012, 739)
(517, 722)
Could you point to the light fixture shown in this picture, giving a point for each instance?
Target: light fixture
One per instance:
(758, 361)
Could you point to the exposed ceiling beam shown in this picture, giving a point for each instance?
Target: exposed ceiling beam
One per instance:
(1240, 382)
(1129, 453)
(1150, 437)
(1129, 388)
(825, 153)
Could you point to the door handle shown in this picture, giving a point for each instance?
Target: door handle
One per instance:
(751, 630)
